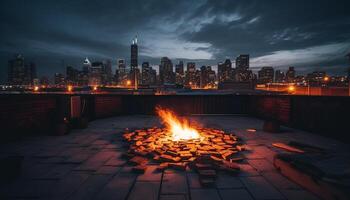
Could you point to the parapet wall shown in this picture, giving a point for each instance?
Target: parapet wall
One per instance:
(46, 113)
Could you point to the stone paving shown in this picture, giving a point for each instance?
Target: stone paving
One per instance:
(87, 164)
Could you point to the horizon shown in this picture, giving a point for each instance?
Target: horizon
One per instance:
(206, 32)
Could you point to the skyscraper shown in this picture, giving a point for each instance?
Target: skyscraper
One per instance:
(166, 73)
(290, 75)
(134, 70)
(265, 75)
(242, 72)
(72, 75)
(86, 65)
(59, 79)
(225, 71)
(16, 70)
(242, 62)
(179, 73)
(145, 74)
(107, 72)
(122, 74)
(95, 77)
(134, 54)
(190, 74)
(279, 76)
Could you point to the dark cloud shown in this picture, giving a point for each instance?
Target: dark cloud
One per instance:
(273, 32)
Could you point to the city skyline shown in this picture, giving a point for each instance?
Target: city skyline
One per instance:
(308, 36)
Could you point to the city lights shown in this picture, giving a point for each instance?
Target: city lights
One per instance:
(69, 88)
(291, 89)
(36, 88)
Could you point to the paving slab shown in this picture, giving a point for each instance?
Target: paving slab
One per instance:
(151, 174)
(241, 194)
(87, 164)
(260, 188)
(262, 165)
(204, 194)
(118, 187)
(174, 183)
(145, 191)
(228, 181)
(90, 187)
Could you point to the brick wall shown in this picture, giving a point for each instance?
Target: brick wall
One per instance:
(40, 113)
(27, 113)
(273, 107)
(106, 106)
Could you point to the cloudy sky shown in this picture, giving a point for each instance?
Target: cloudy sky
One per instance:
(310, 35)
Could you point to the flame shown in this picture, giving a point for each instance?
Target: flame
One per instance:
(178, 128)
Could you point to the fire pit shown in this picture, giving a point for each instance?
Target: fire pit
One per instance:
(180, 145)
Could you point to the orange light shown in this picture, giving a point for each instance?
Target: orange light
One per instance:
(326, 78)
(291, 88)
(95, 88)
(128, 82)
(36, 88)
(179, 129)
(70, 88)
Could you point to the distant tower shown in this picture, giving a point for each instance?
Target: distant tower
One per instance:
(134, 54)
(86, 65)
(16, 70)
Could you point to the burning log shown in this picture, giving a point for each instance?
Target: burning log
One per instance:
(179, 145)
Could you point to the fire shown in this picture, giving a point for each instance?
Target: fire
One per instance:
(178, 128)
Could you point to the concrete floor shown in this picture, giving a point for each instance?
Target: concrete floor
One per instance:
(86, 164)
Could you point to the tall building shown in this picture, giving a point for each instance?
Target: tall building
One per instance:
(265, 75)
(145, 73)
(21, 73)
(190, 78)
(166, 73)
(207, 77)
(95, 75)
(106, 72)
(134, 75)
(134, 54)
(121, 72)
(72, 75)
(59, 79)
(290, 75)
(225, 71)
(153, 76)
(279, 76)
(86, 65)
(16, 71)
(179, 73)
(242, 62)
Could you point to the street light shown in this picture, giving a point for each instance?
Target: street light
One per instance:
(69, 88)
(36, 88)
(291, 89)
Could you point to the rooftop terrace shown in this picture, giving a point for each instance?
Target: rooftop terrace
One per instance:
(88, 164)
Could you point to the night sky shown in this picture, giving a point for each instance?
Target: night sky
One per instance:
(310, 35)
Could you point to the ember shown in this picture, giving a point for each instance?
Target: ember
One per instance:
(179, 145)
